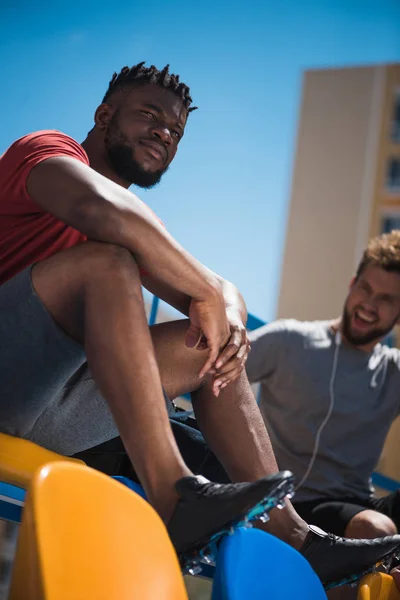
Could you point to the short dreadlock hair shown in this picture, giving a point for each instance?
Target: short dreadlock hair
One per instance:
(139, 74)
(382, 251)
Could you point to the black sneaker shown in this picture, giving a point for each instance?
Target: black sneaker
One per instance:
(337, 560)
(206, 511)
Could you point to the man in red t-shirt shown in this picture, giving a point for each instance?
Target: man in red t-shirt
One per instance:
(75, 248)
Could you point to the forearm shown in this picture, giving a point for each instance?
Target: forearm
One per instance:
(127, 222)
(105, 211)
(180, 301)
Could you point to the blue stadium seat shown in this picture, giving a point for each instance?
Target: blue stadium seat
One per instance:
(256, 565)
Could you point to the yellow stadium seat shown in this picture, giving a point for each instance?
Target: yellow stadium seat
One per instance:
(378, 586)
(19, 459)
(85, 536)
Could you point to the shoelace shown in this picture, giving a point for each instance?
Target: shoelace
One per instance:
(215, 489)
(334, 539)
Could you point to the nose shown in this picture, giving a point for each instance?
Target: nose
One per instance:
(162, 133)
(371, 304)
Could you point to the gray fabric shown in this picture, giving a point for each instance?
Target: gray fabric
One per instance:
(47, 394)
(293, 361)
(77, 418)
(36, 357)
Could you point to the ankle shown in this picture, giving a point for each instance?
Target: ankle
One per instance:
(287, 526)
(166, 505)
(162, 494)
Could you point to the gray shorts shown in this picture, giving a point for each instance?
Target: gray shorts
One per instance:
(47, 394)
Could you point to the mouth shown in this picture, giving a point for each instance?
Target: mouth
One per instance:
(363, 319)
(156, 150)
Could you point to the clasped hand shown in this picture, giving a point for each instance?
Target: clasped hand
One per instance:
(221, 330)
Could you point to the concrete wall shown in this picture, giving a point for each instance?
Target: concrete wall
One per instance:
(332, 190)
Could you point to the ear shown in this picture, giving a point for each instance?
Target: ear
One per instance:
(352, 281)
(103, 115)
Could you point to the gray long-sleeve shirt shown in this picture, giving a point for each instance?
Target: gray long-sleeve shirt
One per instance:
(293, 362)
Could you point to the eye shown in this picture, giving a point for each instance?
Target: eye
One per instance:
(176, 134)
(148, 114)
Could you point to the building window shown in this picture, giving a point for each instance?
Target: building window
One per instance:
(393, 175)
(395, 127)
(389, 223)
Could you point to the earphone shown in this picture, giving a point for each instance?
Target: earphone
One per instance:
(338, 341)
(383, 364)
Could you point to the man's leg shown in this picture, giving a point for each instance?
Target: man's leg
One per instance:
(93, 292)
(231, 424)
(347, 517)
(390, 506)
(370, 524)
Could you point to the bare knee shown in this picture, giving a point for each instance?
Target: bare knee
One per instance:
(65, 281)
(74, 267)
(96, 258)
(179, 366)
(370, 524)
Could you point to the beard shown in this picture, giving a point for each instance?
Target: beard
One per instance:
(361, 339)
(121, 156)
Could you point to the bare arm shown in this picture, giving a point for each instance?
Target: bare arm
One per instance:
(232, 297)
(105, 211)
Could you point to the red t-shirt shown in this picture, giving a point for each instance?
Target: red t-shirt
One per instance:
(27, 232)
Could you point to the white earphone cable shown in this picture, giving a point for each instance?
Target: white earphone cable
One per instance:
(338, 340)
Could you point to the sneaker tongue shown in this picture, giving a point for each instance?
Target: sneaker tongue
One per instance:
(317, 530)
(190, 484)
(311, 544)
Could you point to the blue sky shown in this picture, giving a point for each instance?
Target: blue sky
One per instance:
(226, 195)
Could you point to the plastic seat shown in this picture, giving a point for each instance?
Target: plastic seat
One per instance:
(84, 535)
(378, 586)
(20, 459)
(253, 564)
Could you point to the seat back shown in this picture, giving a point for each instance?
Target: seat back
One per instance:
(254, 564)
(19, 459)
(84, 535)
(378, 586)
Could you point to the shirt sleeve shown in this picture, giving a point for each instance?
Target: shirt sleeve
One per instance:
(267, 348)
(25, 154)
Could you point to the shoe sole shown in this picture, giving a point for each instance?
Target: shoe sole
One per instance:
(206, 550)
(387, 563)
